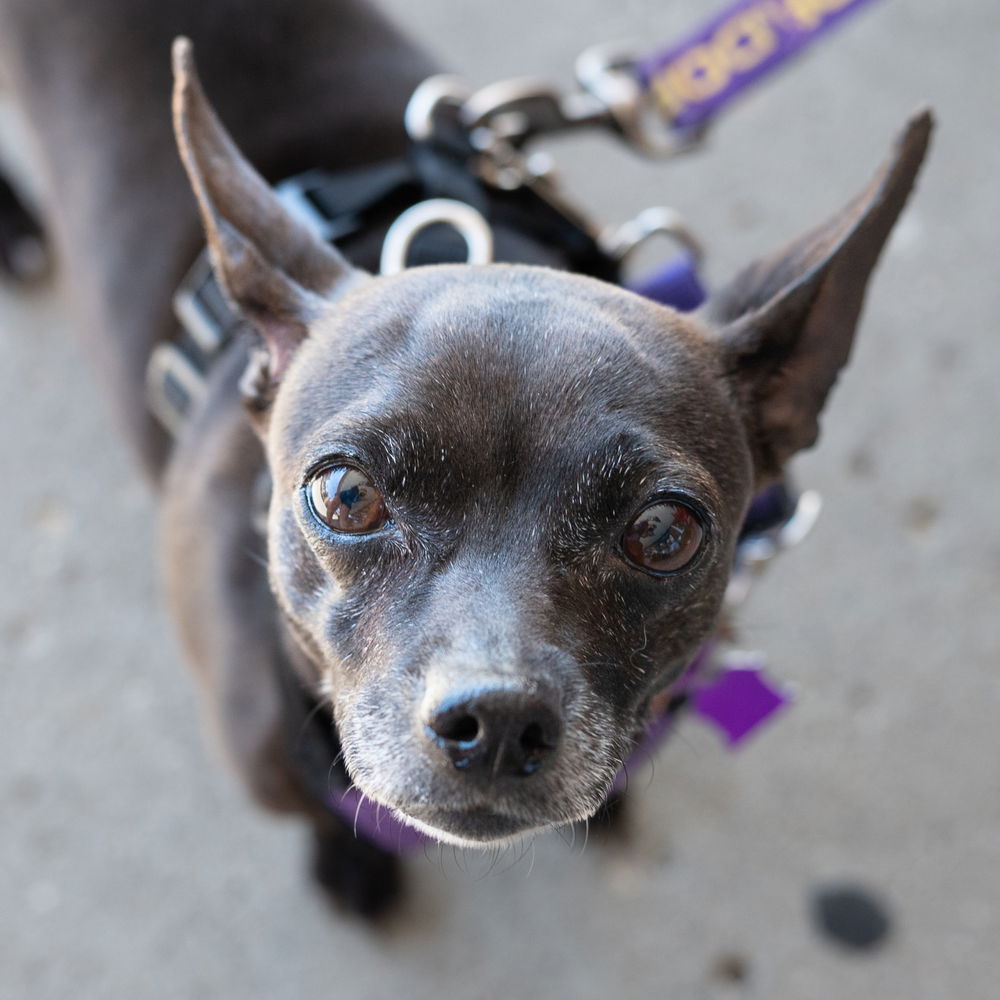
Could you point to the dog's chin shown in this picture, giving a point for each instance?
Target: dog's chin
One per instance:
(479, 827)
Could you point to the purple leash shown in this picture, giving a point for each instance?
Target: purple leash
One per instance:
(691, 81)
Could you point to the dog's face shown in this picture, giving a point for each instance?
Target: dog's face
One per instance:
(504, 510)
(506, 499)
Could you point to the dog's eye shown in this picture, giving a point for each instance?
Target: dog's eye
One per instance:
(663, 538)
(345, 499)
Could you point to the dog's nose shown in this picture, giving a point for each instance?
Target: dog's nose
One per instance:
(496, 732)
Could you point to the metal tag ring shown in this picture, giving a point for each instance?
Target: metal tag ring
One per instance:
(464, 219)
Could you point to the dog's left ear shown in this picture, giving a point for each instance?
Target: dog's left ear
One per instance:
(786, 324)
(274, 269)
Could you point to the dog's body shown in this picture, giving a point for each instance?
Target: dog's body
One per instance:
(504, 501)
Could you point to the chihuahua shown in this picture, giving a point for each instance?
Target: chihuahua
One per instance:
(452, 532)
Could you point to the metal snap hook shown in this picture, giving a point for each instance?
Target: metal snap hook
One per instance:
(464, 219)
(608, 72)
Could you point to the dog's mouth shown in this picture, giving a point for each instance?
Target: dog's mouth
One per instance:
(476, 826)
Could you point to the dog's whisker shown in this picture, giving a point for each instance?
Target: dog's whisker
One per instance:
(626, 777)
(526, 843)
(651, 771)
(567, 831)
(261, 560)
(357, 812)
(494, 855)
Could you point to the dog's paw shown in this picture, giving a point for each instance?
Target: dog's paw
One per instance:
(24, 256)
(356, 876)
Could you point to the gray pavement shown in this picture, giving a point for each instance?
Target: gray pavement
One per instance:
(131, 866)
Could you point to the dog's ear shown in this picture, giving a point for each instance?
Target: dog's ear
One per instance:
(786, 323)
(274, 269)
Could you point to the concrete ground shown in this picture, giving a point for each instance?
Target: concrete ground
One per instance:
(130, 865)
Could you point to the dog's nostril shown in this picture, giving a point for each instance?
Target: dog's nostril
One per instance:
(535, 747)
(463, 729)
(533, 739)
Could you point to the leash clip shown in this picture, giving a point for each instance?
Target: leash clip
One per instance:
(608, 73)
(612, 96)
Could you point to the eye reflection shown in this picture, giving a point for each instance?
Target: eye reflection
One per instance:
(663, 538)
(345, 499)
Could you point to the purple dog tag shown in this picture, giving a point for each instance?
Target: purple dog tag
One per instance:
(691, 81)
(738, 701)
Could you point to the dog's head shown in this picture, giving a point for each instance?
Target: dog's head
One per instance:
(506, 499)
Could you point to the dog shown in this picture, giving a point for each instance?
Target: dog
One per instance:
(455, 530)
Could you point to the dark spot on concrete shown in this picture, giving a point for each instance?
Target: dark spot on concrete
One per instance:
(731, 967)
(861, 465)
(850, 915)
(921, 515)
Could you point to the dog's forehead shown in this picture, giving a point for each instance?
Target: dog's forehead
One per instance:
(521, 328)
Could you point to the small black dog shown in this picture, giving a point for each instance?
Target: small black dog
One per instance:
(502, 502)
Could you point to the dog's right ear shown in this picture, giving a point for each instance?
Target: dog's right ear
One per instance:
(275, 270)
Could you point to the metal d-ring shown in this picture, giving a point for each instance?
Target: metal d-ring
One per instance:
(464, 219)
(429, 99)
(621, 241)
